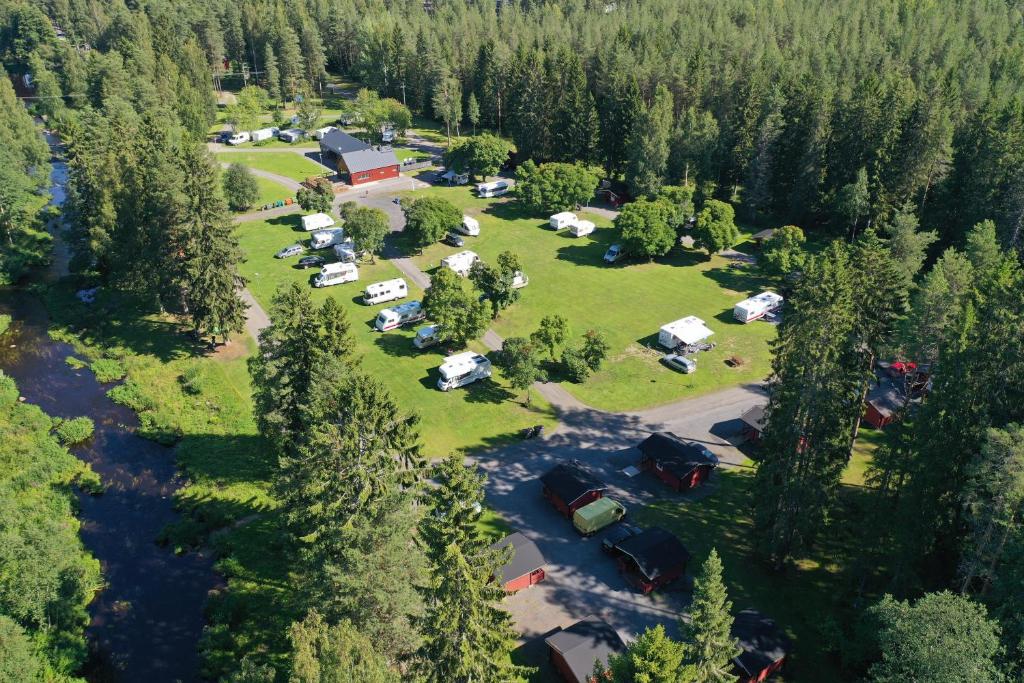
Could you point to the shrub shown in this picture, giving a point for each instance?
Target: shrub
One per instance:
(130, 394)
(8, 390)
(75, 363)
(74, 431)
(5, 322)
(240, 187)
(574, 365)
(192, 380)
(89, 482)
(107, 370)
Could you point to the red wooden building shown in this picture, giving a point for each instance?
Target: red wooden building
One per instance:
(569, 487)
(652, 558)
(680, 464)
(525, 566)
(764, 646)
(753, 424)
(358, 162)
(574, 650)
(884, 401)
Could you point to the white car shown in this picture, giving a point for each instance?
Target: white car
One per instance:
(293, 250)
(681, 363)
(613, 254)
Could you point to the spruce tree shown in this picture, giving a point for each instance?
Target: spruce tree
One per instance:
(709, 631)
(290, 63)
(271, 75)
(649, 145)
(652, 658)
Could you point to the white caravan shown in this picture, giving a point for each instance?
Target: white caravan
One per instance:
(263, 134)
(291, 135)
(683, 332)
(462, 369)
(494, 189)
(461, 262)
(336, 274)
(581, 228)
(322, 239)
(345, 252)
(316, 221)
(388, 290)
(239, 138)
(402, 314)
(427, 336)
(756, 306)
(562, 220)
(469, 226)
(519, 280)
(319, 133)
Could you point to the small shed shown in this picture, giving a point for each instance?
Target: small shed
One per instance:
(680, 464)
(683, 332)
(574, 650)
(652, 558)
(569, 487)
(764, 646)
(753, 424)
(884, 401)
(763, 236)
(524, 568)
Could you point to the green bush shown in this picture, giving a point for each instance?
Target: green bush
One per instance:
(8, 390)
(74, 431)
(5, 322)
(192, 380)
(574, 365)
(107, 370)
(75, 363)
(130, 394)
(89, 481)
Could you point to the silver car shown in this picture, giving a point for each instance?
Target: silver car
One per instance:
(680, 363)
(293, 250)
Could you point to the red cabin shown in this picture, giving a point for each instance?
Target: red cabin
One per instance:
(358, 161)
(574, 650)
(884, 402)
(652, 558)
(680, 464)
(524, 568)
(569, 487)
(764, 647)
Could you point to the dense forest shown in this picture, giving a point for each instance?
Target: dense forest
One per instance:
(891, 132)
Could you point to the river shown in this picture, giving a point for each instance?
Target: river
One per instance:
(147, 620)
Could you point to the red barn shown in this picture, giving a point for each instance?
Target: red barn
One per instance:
(753, 424)
(884, 402)
(526, 565)
(358, 161)
(764, 647)
(569, 487)
(680, 464)
(574, 650)
(652, 558)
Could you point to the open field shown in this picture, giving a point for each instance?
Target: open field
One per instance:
(627, 302)
(287, 164)
(270, 191)
(482, 414)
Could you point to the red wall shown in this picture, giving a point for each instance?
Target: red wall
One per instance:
(566, 510)
(524, 581)
(875, 418)
(691, 480)
(765, 673)
(382, 173)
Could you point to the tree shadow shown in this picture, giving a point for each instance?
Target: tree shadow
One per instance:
(510, 210)
(738, 277)
(396, 345)
(291, 220)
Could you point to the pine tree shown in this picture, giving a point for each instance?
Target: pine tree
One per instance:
(473, 111)
(271, 75)
(709, 631)
(649, 145)
(575, 126)
(290, 63)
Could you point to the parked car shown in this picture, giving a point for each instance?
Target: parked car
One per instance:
(593, 517)
(617, 535)
(224, 136)
(680, 363)
(613, 254)
(311, 262)
(454, 240)
(292, 250)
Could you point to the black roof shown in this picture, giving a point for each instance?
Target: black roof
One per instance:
(754, 417)
(678, 455)
(569, 482)
(655, 552)
(525, 557)
(762, 641)
(584, 643)
(886, 396)
(340, 142)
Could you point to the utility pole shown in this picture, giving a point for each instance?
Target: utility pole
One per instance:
(403, 95)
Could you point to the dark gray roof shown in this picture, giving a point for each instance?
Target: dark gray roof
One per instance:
(584, 643)
(754, 418)
(340, 142)
(886, 396)
(525, 557)
(677, 455)
(655, 552)
(764, 234)
(368, 159)
(762, 641)
(569, 482)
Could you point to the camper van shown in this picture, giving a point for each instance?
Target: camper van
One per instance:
(683, 332)
(495, 189)
(316, 221)
(469, 226)
(239, 138)
(322, 239)
(336, 274)
(562, 220)
(756, 306)
(345, 252)
(581, 228)
(388, 290)
(462, 369)
(461, 263)
(263, 134)
(402, 314)
(427, 336)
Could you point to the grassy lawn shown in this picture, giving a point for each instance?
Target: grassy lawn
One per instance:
(270, 191)
(868, 441)
(627, 302)
(403, 154)
(480, 415)
(275, 142)
(287, 164)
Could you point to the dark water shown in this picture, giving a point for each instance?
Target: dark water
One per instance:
(147, 621)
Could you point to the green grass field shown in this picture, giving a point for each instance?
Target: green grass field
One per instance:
(270, 191)
(480, 415)
(287, 164)
(627, 302)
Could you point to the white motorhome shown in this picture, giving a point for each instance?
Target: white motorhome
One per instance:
(336, 274)
(462, 369)
(316, 221)
(322, 239)
(469, 226)
(345, 252)
(683, 332)
(319, 133)
(402, 314)
(263, 134)
(427, 336)
(581, 228)
(562, 220)
(455, 178)
(239, 138)
(388, 290)
(493, 189)
(461, 263)
(756, 306)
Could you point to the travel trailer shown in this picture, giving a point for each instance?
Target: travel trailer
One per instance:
(469, 226)
(291, 135)
(461, 262)
(345, 252)
(562, 220)
(388, 290)
(683, 332)
(757, 306)
(494, 189)
(322, 239)
(519, 280)
(239, 138)
(581, 228)
(263, 134)
(336, 274)
(316, 221)
(462, 369)
(402, 314)
(427, 336)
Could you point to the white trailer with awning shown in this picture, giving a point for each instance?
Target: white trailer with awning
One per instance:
(756, 306)
(683, 332)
